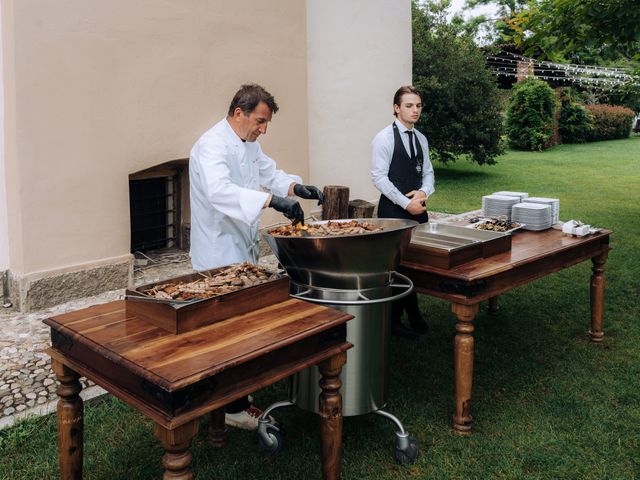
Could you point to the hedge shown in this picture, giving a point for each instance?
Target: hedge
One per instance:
(610, 122)
(575, 123)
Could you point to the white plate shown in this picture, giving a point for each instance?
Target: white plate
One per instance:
(473, 225)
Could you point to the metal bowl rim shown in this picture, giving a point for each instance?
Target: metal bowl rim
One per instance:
(406, 223)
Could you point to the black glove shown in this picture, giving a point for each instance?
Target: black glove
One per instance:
(308, 192)
(289, 207)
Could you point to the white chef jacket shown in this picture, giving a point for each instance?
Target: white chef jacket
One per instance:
(225, 176)
(382, 151)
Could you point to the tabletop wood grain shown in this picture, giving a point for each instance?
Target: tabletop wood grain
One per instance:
(176, 360)
(526, 247)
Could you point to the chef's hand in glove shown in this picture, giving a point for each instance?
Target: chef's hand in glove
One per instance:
(289, 207)
(308, 192)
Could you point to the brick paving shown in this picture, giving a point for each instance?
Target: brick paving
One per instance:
(27, 382)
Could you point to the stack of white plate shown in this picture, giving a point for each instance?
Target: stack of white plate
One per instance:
(535, 216)
(494, 205)
(555, 206)
(521, 195)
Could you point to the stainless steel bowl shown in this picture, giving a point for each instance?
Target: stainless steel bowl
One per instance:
(346, 261)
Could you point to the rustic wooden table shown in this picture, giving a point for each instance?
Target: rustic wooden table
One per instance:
(176, 379)
(533, 255)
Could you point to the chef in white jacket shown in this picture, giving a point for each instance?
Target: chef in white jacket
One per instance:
(231, 181)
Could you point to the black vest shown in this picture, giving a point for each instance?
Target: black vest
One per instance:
(405, 177)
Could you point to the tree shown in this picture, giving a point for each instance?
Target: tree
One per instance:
(530, 115)
(611, 27)
(495, 29)
(462, 114)
(580, 31)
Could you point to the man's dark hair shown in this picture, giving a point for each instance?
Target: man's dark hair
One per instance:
(248, 98)
(397, 98)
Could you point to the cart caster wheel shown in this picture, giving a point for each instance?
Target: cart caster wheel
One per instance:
(409, 454)
(275, 440)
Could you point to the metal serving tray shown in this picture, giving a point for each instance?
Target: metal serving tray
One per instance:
(440, 241)
(180, 317)
(446, 246)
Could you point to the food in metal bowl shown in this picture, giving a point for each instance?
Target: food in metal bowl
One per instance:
(326, 229)
(224, 281)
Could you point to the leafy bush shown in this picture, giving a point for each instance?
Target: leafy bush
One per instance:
(575, 123)
(610, 122)
(462, 111)
(530, 115)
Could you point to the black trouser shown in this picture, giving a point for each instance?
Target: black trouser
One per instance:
(238, 405)
(387, 209)
(408, 304)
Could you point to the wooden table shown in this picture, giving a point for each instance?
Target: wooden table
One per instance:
(176, 379)
(533, 255)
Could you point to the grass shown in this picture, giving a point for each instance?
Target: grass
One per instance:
(547, 403)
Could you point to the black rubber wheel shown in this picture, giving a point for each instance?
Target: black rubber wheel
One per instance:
(408, 455)
(275, 435)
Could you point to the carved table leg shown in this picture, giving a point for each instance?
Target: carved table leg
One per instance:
(597, 296)
(70, 418)
(331, 416)
(493, 305)
(177, 459)
(463, 360)
(217, 428)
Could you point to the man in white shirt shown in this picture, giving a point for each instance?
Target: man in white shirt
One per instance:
(227, 170)
(401, 170)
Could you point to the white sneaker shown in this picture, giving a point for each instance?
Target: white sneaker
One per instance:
(246, 419)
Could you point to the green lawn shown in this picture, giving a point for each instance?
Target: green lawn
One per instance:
(548, 404)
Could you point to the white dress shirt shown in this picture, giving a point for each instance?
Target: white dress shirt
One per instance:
(225, 176)
(382, 152)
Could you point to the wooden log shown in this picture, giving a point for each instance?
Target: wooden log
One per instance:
(336, 202)
(361, 209)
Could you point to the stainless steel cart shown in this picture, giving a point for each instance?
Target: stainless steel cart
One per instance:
(355, 274)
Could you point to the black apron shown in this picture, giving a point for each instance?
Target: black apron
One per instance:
(405, 177)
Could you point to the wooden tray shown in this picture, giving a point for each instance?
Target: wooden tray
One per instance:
(180, 317)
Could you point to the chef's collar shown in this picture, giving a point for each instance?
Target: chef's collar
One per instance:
(401, 127)
(233, 132)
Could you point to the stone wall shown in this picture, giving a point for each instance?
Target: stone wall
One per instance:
(3, 287)
(29, 293)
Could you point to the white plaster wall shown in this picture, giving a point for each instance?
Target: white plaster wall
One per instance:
(4, 221)
(359, 53)
(107, 88)
(96, 90)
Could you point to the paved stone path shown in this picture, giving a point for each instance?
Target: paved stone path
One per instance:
(27, 382)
